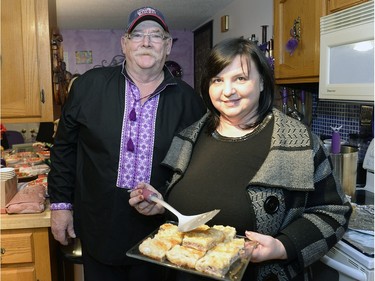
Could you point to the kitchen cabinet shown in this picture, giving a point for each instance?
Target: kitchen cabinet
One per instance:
(28, 252)
(338, 5)
(302, 66)
(23, 255)
(26, 68)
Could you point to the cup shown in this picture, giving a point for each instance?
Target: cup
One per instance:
(345, 168)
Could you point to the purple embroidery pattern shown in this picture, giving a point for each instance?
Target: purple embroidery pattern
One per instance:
(137, 138)
(61, 206)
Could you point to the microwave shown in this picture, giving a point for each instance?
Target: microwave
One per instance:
(347, 54)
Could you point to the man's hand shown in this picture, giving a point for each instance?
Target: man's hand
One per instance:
(62, 225)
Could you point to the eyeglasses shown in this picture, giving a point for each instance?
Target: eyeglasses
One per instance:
(154, 37)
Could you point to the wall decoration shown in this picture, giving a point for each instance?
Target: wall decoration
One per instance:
(174, 68)
(116, 60)
(295, 36)
(83, 57)
(61, 76)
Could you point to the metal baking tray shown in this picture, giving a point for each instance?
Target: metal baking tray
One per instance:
(235, 273)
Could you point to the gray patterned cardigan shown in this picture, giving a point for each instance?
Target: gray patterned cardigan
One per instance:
(313, 211)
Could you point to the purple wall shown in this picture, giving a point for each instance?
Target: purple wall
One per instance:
(105, 44)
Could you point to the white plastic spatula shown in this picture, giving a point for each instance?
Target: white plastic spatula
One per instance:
(185, 223)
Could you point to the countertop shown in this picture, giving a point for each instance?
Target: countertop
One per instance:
(19, 221)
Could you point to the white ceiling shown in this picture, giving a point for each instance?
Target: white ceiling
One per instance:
(113, 14)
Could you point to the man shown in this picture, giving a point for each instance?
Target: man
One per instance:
(114, 131)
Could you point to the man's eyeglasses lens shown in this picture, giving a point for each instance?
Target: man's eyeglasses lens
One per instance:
(154, 37)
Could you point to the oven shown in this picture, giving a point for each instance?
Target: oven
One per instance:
(350, 263)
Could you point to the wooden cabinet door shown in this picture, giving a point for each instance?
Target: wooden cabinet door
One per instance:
(16, 248)
(17, 258)
(25, 255)
(337, 5)
(26, 80)
(303, 65)
(18, 274)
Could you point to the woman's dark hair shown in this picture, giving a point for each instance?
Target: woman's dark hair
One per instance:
(220, 57)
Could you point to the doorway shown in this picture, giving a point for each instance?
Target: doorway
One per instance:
(202, 47)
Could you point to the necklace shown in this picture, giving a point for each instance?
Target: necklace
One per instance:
(216, 135)
(132, 116)
(140, 84)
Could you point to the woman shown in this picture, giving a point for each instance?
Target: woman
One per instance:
(270, 176)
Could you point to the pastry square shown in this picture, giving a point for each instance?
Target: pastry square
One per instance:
(219, 259)
(184, 256)
(203, 239)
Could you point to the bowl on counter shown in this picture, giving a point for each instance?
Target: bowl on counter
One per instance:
(12, 160)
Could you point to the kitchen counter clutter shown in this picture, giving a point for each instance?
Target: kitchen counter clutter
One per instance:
(28, 200)
(23, 195)
(361, 229)
(24, 181)
(27, 246)
(24, 159)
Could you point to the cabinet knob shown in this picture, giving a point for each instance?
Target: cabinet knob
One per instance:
(2, 251)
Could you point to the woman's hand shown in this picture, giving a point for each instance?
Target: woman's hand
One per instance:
(140, 203)
(266, 248)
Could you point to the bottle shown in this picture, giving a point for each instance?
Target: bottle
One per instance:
(253, 39)
(336, 140)
(271, 48)
(264, 33)
(285, 100)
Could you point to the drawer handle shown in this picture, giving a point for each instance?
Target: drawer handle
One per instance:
(42, 96)
(2, 251)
